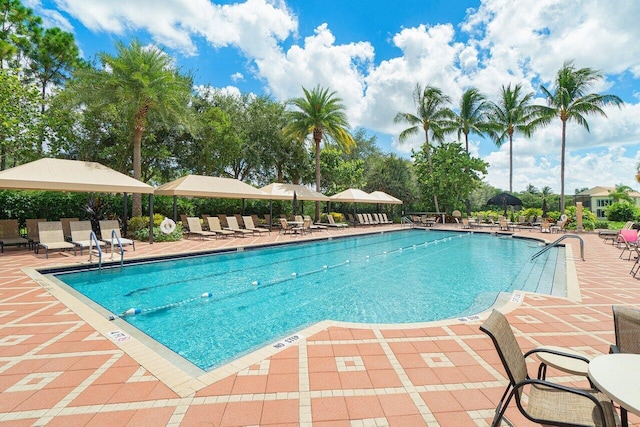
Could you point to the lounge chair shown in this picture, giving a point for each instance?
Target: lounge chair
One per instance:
(223, 220)
(196, 228)
(351, 219)
(249, 225)
(626, 322)
(205, 223)
(66, 229)
(465, 223)
(233, 226)
(316, 226)
(215, 227)
(333, 223)
(32, 232)
(10, 234)
(52, 237)
(560, 227)
(370, 219)
(387, 220)
(81, 235)
(108, 227)
(362, 220)
(548, 403)
(628, 240)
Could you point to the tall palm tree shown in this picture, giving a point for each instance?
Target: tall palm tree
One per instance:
(432, 115)
(472, 118)
(321, 114)
(570, 102)
(140, 81)
(513, 113)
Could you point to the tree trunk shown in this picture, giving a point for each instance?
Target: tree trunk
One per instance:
(426, 141)
(3, 157)
(511, 162)
(317, 138)
(564, 134)
(468, 201)
(136, 205)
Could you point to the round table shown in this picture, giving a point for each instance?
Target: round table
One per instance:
(618, 376)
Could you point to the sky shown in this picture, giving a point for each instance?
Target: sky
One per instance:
(373, 53)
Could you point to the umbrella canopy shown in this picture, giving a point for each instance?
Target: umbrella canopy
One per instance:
(503, 199)
(287, 190)
(70, 175)
(383, 197)
(214, 187)
(353, 195)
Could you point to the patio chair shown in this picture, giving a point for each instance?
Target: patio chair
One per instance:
(548, 403)
(196, 228)
(51, 237)
(465, 223)
(560, 227)
(108, 227)
(628, 239)
(81, 235)
(10, 234)
(215, 227)
(626, 322)
(233, 226)
(285, 227)
(66, 229)
(32, 232)
(545, 227)
(249, 225)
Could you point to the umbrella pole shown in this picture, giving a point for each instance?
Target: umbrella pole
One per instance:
(151, 218)
(175, 208)
(355, 215)
(243, 200)
(270, 214)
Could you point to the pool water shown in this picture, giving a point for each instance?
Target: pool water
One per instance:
(211, 309)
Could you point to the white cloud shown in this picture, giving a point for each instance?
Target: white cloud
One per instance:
(237, 77)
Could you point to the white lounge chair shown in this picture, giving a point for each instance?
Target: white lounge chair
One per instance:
(81, 235)
(215, 227)
(249, 225)
(196, 228)
(52, 237)
(233, 226)
(108, 227)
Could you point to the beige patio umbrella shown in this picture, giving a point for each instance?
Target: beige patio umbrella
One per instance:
(70, 175)
(383, 197)
(212, 187)
(302, 192)
(76, 176)
(353, 195)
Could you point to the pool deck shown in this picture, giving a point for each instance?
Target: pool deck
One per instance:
(60, 365)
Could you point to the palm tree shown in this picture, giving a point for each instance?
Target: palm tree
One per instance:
(431, 115)
(472, 118)
(140, 81)
(570, 102)
(321, 114)
(621, 192)
(513, 113)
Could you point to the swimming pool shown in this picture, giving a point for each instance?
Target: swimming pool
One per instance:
(211, 309)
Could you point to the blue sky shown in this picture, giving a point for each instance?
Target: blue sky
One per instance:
(373, 53)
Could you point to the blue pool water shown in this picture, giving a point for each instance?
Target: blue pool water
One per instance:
(255, 297)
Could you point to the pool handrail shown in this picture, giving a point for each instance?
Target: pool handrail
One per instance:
(93, 238)
(555, 243)
(114, 234)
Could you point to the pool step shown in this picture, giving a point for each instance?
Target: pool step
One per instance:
(546, 274)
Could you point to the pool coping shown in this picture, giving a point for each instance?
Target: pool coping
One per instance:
(184, 378)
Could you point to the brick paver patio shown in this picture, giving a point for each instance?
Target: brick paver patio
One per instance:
(58, 367)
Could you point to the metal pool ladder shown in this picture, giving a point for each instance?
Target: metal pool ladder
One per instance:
(554, 244)
(93, 238)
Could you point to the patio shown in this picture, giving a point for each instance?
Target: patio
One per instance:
(57, 369)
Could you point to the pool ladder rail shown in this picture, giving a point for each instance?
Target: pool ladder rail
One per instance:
(554, 244)
(93, 238)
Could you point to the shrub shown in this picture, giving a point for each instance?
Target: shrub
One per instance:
(621, 211)
(158, 236)
(601, 224)
(588, 219)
